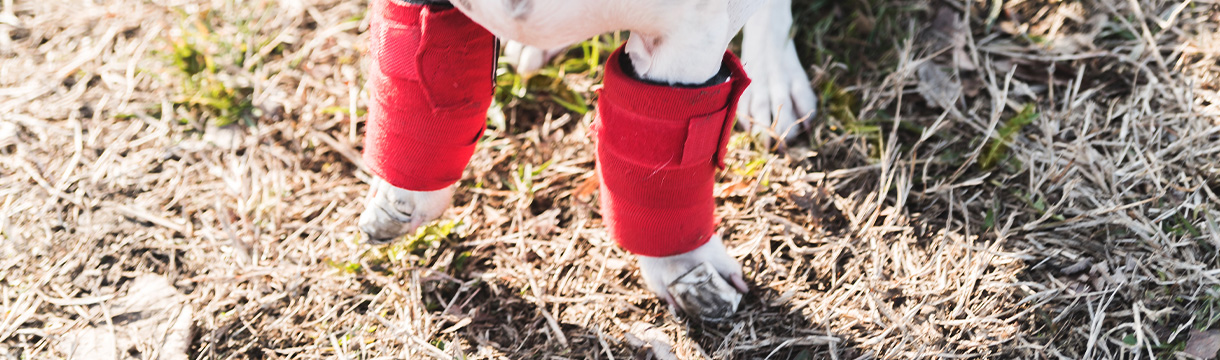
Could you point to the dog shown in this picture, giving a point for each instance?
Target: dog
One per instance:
(664, 114)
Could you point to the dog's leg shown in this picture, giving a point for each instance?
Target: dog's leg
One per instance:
(390, 212)
(780, 101)
(660, 140)
(527, 60)
(430, 81)
(666, 112)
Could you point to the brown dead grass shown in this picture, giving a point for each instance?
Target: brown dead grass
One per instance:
(1095, 236)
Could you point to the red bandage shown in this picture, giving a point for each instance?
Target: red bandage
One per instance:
(430, 80)
(658, 149)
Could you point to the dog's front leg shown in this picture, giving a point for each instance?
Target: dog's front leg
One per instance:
(390, 211)
(430, 82)
(780, 101)
(665, 114)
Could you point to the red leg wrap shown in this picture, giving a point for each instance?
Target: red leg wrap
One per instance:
(658, 149)
(430, 81)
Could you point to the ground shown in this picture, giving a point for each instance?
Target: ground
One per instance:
(1002, 179)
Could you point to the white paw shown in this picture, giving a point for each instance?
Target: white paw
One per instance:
(390, 212)
(780, 100)
(660, 272)
(527, 60)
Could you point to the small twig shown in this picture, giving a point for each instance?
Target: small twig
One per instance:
(240, 247)
(146, 216)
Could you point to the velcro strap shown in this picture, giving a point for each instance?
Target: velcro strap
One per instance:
(703, 138)
(396, 46)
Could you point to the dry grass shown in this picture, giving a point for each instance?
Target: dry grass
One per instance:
(924, 220)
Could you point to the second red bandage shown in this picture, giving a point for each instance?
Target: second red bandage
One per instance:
(430, 80)
(658, 150)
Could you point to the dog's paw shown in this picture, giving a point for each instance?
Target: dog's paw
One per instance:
(660, 273)
(780, 100)
(527, 60)
(390, 212)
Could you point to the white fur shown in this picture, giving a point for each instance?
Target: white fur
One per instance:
(673, 41)
(527, 60)
(659, 272)
(692, 34)
(390, 212)
(780, 100)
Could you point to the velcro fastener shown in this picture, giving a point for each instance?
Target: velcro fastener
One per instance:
(397, 48)
(702, 138)
(459, 57)
(726, 130)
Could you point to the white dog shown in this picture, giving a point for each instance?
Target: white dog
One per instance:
(672, 42)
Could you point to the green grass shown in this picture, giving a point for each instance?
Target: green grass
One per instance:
(415, 249)
(997, 148)
(860, 35)
(551, 83)
(854, 43)
(204, 63)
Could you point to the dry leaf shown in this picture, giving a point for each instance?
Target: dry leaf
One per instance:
(1079, 266)
(1203, 344)
(584, 192)
(936, 86)
(703, 294)
(545, 223)
(651, 339)
(153, 316)
(947, 30)
(735, 188)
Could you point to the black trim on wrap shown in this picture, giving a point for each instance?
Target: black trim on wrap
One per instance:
(629, 69)
(444, 3)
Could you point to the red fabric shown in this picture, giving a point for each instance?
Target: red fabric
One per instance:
(430, 81)
(658, 149)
